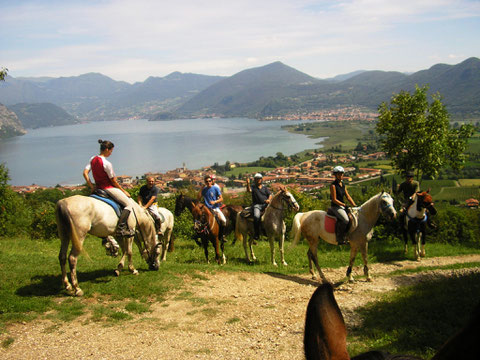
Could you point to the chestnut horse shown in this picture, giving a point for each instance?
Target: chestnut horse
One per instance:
(207, 229)
(415, 222)
(325, 336)
(229, 211)
(312, 226)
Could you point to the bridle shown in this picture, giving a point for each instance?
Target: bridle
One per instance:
(290, 200)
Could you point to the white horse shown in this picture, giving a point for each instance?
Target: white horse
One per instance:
(312, 226)
(78, 215)
(272, 222)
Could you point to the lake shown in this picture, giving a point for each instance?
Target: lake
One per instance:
(58, 155)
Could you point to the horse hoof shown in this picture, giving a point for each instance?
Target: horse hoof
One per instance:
(79, 292)
(135, 272)
(284, 263)
(116, 273)
(369, 279)
(275, 264)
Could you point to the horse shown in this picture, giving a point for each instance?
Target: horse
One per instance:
(312, 226)
(325, 334)
(272, 222)
(78, 215)
(207, 229)
(229, 211)
(415, 221)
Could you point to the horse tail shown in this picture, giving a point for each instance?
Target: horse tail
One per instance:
(238, 233)
(296, 232)
(66, 230)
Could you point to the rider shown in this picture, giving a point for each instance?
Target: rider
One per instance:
(261, 197)
(212, 196)
(147, 198)
(105, 179)
(338, 192)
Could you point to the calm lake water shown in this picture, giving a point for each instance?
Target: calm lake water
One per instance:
(57, 155)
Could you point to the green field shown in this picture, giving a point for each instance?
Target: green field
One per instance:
(246, 170)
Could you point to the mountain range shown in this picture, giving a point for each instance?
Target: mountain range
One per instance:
(271, 90)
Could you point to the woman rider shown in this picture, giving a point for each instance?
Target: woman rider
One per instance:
(106, 180)
(338, 192)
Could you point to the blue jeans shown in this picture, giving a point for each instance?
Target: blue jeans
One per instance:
(257, 214)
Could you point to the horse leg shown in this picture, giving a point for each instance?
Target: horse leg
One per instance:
(272, 250)
(310, 265)
(364, 252)
(314, 258)
(205, 247)
(250, 245)
(222, 247)
(62, 257)
(72, 260)
(423, 234)
(246, 239)
(353, 255)
(166, 243)
(132, 269)
(121, 263)
(282, 252)
(405, 240)
(418, 237)
(215, 242)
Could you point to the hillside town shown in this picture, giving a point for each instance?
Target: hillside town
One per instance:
(306, 176)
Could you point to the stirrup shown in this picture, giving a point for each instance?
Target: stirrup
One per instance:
(123, 231)
(111, 246)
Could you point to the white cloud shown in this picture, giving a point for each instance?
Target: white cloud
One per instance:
(133, 39)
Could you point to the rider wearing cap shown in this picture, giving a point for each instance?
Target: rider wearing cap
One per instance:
(261, 197)
(338, 194)
(408, 189)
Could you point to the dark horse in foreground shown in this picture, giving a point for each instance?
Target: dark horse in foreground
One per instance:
(325, 336)
(415, 222)
(229, 211)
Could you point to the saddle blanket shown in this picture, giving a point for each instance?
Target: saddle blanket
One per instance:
(110, 202)
(330, 222)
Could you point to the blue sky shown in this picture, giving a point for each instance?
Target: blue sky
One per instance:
(131, 40)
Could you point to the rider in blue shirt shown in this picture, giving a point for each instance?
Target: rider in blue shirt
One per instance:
(212, 197)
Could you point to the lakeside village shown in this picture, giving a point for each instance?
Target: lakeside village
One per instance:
(306, 176)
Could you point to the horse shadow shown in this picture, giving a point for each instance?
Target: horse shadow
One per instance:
(297, 279)
(50, 285)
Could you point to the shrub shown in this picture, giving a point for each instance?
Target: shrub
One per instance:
(44, 225)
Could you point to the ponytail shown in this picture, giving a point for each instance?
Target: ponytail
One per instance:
(105, 145)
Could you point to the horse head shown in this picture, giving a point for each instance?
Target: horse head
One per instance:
(288, 198)
(200, 218)
(179, 204)
(425, 200)
(152, 247)
(386, 205)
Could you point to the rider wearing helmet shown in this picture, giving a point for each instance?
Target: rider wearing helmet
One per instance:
(261, 197)
(338, 194)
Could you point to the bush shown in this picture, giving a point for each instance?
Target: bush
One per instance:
(44, 225)
(457, 225)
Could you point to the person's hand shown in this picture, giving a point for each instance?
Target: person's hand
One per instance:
(212, 202)
(248, 180)
(267, 201)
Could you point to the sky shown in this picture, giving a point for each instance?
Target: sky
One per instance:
(132, 40)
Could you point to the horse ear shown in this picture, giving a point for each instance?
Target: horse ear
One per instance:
(428, 190)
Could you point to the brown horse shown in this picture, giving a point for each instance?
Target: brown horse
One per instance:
(229, 211)
(325, 336)
(207, 229)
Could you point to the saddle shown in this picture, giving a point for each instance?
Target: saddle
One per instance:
(102, 195)
(332, 223)
(247, 213)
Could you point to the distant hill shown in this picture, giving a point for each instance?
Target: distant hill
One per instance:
(94, 96)
(247, 92)
(271, 90)
(34, 116)
(10, 125)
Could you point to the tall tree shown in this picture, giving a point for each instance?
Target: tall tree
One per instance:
(417, 134)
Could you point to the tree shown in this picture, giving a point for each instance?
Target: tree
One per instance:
(417, 134)
(3, 74)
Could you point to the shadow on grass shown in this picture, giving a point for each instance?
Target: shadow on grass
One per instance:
(294, 278)
(49, 285)
(419, 318)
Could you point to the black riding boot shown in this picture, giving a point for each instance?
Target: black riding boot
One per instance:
(221, 232)
(256, 228)
(122, 227)
(341, 232)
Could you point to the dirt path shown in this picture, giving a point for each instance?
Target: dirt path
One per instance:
(226, 316)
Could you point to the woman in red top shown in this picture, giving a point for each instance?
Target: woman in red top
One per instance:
(105, 179)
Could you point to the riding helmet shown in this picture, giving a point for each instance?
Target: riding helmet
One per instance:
(338, 169)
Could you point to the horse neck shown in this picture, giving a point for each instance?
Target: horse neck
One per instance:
(275, 207)
(189, 203)
(145, 224)
(412, 210)
(369, 211)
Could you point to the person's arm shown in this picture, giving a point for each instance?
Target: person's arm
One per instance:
(150, 202)
(218, 201)
(117, 185)
(87, 179)
(349, 198)
(270, 196)
(139, 200)
(249, 189)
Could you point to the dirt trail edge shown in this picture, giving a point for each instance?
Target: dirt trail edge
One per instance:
(228, 316)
